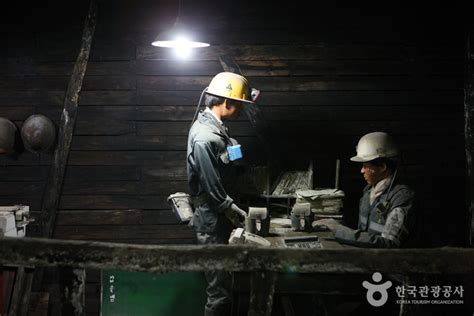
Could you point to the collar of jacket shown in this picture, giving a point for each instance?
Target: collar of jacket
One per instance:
(208, 110)
(379, 188)
(208, 119)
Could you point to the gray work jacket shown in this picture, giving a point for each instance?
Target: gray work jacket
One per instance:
(210, 174)
(382, 227)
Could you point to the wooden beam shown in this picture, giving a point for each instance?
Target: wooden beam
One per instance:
(469, 136)
(68, 119)
(55, 181)
(229, 64)
(147, 258)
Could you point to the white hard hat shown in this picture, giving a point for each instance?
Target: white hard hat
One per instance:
(375, 145)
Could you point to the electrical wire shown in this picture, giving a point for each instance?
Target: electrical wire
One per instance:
(198, 106)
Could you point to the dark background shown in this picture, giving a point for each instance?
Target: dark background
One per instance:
(329, 73)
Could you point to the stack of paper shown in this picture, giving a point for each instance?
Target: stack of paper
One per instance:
(323, 201)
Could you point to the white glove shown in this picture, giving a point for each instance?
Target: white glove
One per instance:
(236, 215)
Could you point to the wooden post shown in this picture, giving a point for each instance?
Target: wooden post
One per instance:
(72, 289)
(262, 288)
(39, 302)
(7, 282)
(54, 185)
(66, 128)
(469, 137)
(229, 64)
(262, 284)
(2, 292)
(21, 292)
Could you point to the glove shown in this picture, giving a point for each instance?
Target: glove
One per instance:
(327, 223)
(236, 215)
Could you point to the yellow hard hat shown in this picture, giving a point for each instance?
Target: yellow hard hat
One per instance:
(230, 86)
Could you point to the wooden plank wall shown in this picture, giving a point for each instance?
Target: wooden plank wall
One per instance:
(327, 77)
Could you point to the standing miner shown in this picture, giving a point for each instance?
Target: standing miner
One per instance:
(210, 155)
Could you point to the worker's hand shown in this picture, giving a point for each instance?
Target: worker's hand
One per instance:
(329, 223)
(236, 215)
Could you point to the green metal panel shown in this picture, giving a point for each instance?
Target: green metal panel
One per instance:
(138, 293)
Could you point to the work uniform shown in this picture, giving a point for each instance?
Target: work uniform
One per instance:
(384, 222)
(210, 177)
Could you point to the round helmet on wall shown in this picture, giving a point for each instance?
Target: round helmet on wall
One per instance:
(38, 133)
(7, 136)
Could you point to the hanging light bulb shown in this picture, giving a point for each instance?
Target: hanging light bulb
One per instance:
(183, 47)
(180, 37)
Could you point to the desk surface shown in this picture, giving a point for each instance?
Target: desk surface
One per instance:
(278, 233)
(291, 283)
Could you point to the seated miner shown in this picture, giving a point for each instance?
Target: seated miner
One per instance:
(386, 211)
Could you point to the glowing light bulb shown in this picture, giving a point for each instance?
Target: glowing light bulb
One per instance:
(182, 47)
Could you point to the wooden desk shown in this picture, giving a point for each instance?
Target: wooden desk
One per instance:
(326, 238)
(278, 233)
(262, 285)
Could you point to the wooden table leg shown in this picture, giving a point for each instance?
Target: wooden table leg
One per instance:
(73, 290)
(21, 292)
(262, 288)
